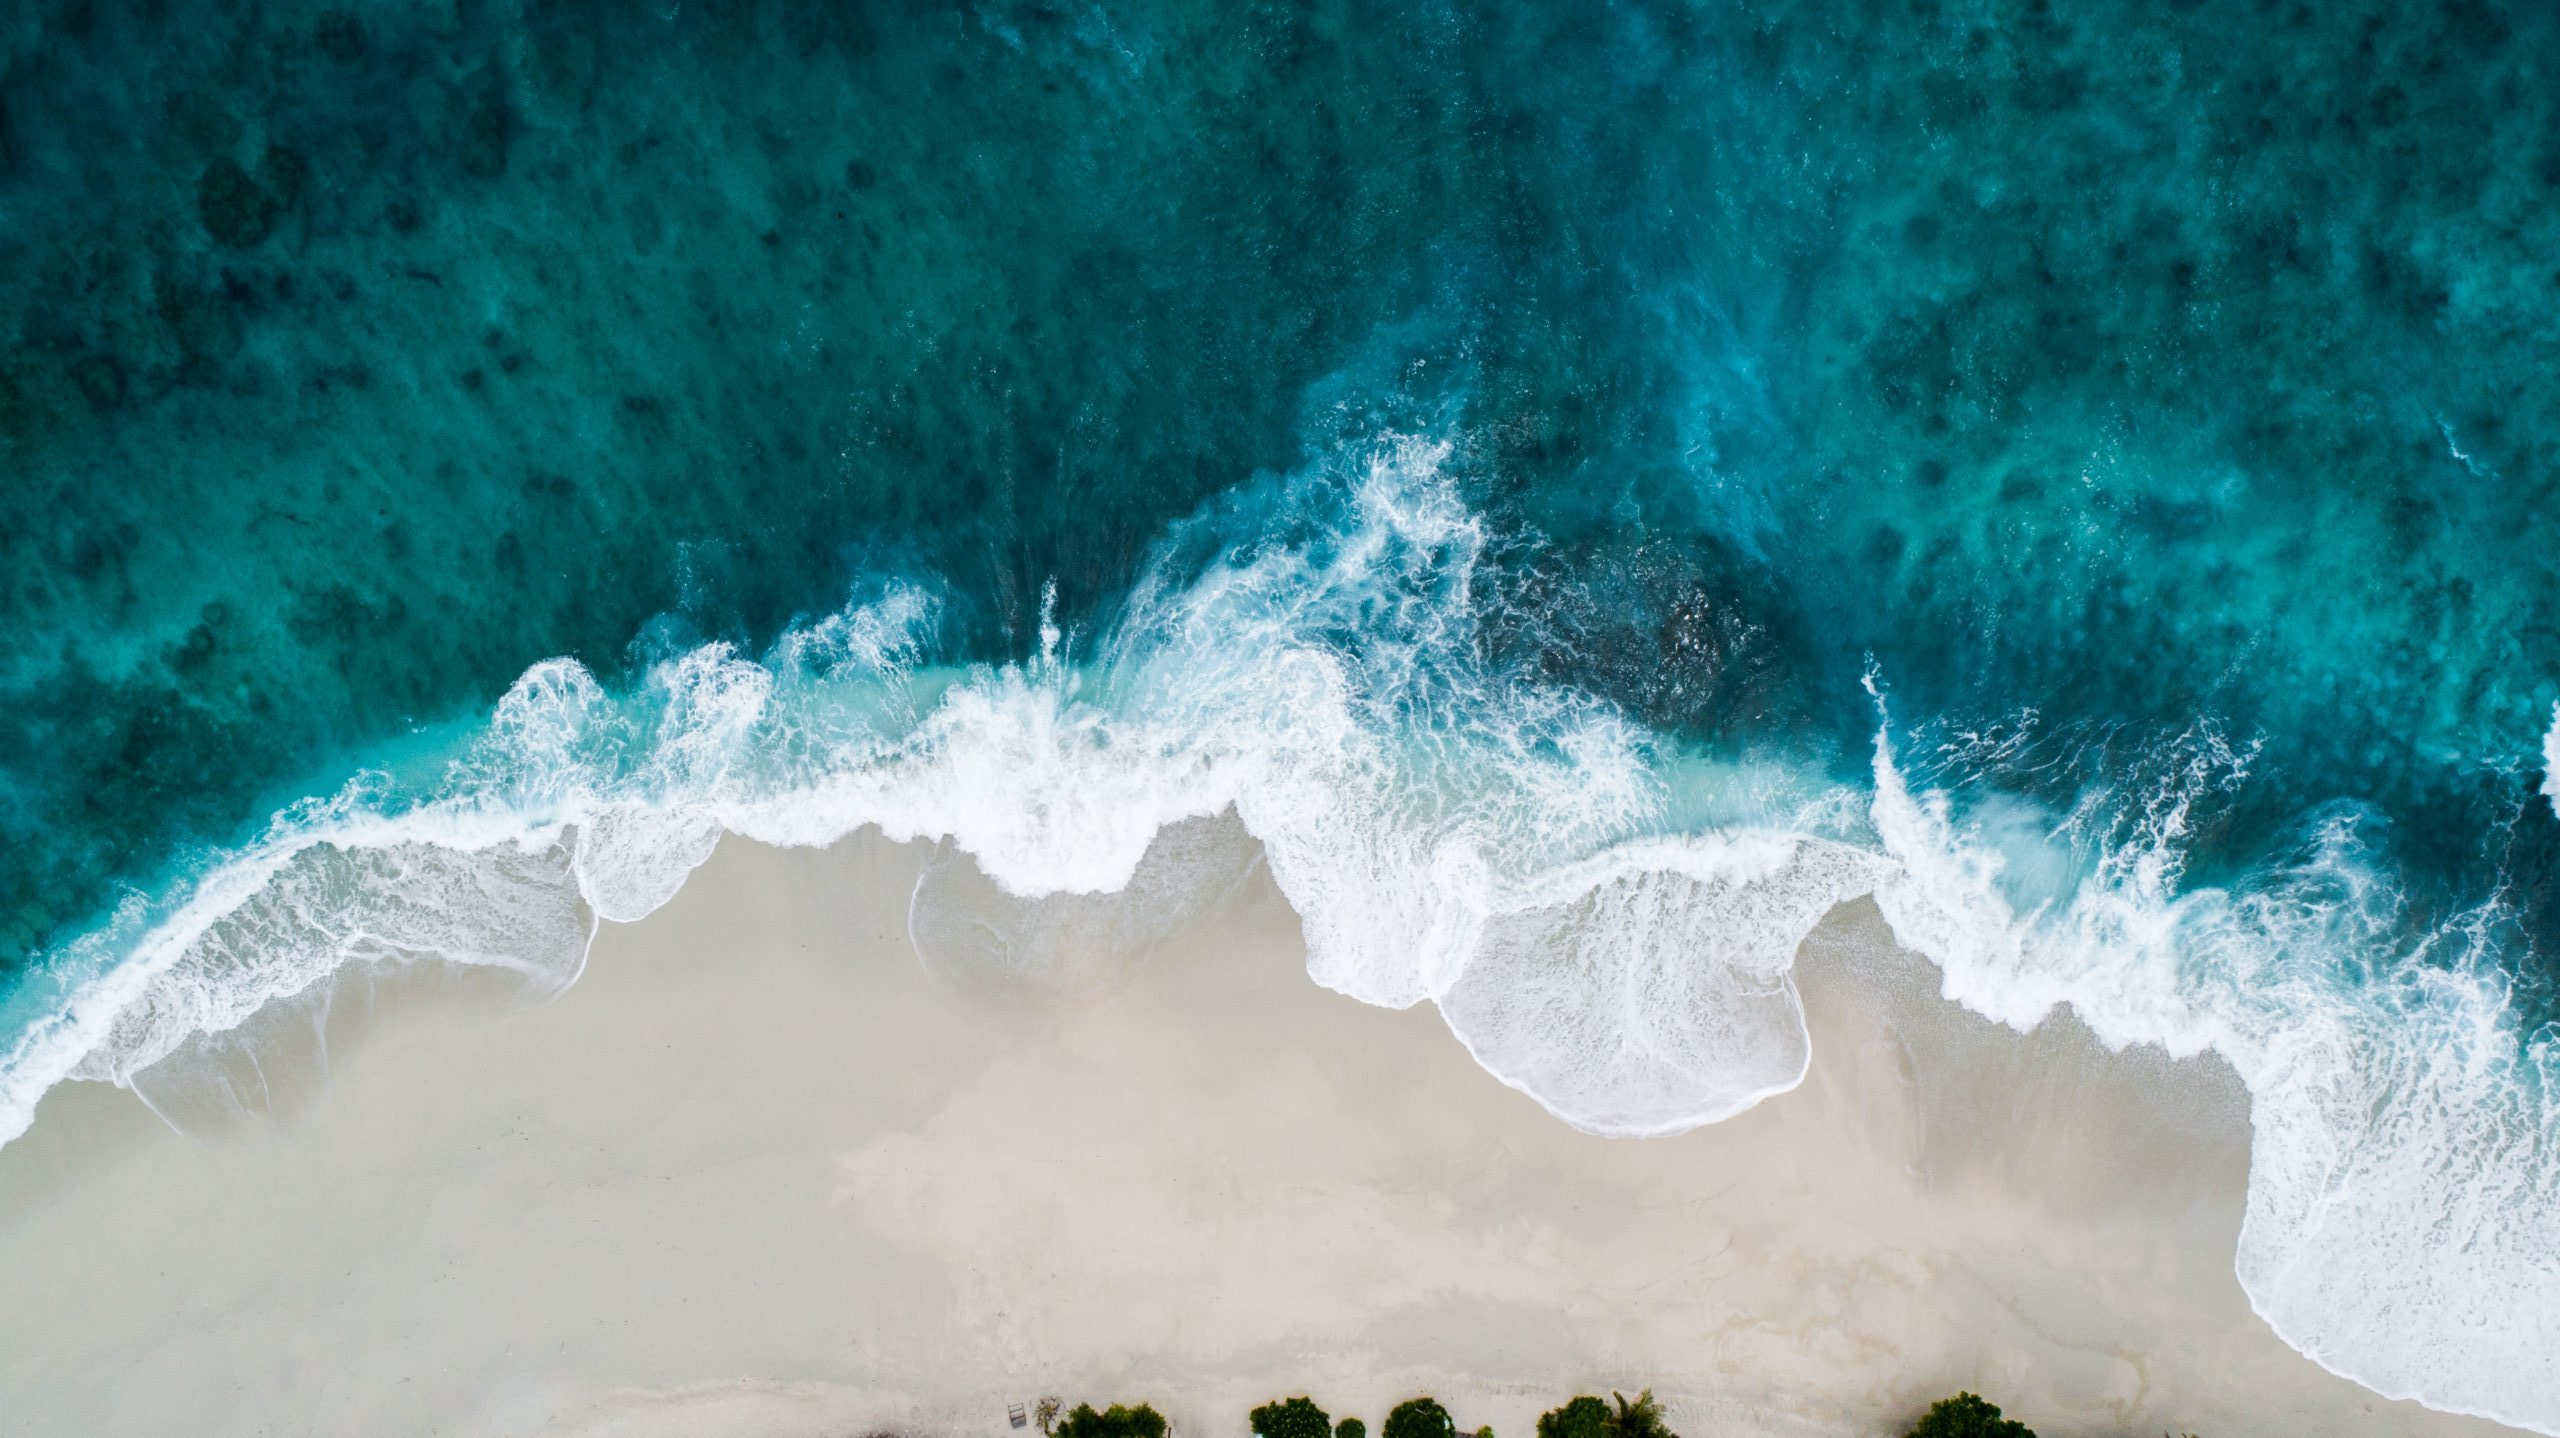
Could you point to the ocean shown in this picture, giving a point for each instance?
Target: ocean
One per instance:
(1591, 487)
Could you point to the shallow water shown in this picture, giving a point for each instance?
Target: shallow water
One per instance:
(1590, 487)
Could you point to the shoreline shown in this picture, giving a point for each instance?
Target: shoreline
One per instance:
(866, 1195)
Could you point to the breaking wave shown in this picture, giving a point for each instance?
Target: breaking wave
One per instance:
(1449, 832)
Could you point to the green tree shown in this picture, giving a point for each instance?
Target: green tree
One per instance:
(1583, 1417)
(1419, 1418)
(1350, 1428)
(1588, 1417)
(1292, 1418)
(1115, 1421)
(1640, 1419)
(1966, 1416)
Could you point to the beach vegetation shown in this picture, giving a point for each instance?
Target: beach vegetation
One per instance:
(1116, 1421)
(1292, 1418)
(1582, 1417)
(1419, 1418)
(1968, 1416)
(1640, 1419)
(1588, 1417)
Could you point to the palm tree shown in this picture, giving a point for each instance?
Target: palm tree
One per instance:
(1642, 1418)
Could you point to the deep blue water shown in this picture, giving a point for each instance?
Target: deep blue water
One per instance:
(1470, 440)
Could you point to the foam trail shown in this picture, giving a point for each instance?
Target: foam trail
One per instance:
(1399, 789)
(1452, 832)
(1650, 990)
(2404, 1181)
(2551, 760)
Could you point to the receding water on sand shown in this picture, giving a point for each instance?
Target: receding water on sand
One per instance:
(864, 1200)
(1606, 919)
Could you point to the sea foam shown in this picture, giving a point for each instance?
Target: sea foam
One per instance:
(1450, 833)
(2551, 760)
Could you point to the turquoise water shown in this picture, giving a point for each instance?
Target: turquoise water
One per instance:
(1590, 486)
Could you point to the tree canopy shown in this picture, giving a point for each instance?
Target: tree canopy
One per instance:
(1292, 1418)
(1419, 1418)
(1588, 1417)
(1115, 1421)
(1640, 1419)
(1583, 1417)
(1967, 1416)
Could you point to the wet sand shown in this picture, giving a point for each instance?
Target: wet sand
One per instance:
(758, 1173)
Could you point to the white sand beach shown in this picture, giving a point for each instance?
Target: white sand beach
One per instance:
(758, 1173)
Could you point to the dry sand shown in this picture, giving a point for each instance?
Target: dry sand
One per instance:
(756, 1174)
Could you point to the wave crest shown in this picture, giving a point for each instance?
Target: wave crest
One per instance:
(1449, 832)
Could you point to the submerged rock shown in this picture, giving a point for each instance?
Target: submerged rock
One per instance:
(196, 650)
(486, 127)
(285, 175)
(101, 379)
(339, 35)
(234, 210)
(205, 322)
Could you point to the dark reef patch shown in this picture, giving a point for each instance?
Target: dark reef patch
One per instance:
(484, 126)
(234, 209)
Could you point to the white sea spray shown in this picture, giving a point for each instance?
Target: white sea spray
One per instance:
(1452, 833)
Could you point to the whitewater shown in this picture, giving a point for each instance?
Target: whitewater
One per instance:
(1605, 917)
